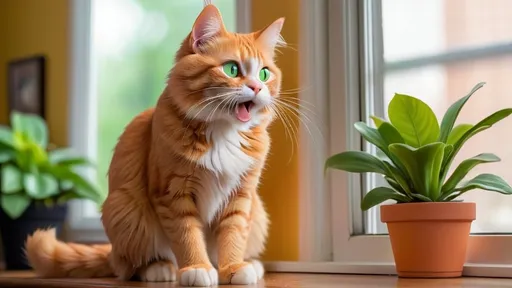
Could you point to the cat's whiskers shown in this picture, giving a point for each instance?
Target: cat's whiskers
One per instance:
(303, 118)
(212, 88)
(288, 127)
(210, 100)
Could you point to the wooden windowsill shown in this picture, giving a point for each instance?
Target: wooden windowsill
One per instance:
(26, 279)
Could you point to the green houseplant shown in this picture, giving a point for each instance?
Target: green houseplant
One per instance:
(428, 226)
(35, 182)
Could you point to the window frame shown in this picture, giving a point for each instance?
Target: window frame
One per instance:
(83, 113)
(350, 61)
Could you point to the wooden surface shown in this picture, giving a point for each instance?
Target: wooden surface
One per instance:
(25, 279)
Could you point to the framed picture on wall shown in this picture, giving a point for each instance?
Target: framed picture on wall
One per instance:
(26, 85)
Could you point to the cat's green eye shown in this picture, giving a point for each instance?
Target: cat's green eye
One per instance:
(231, 69)
(264, 74)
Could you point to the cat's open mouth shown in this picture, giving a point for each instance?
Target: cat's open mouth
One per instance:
(243, 111)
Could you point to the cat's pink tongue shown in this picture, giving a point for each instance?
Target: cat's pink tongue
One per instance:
(242, 113)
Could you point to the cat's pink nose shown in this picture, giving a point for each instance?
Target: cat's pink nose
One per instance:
(254, 86)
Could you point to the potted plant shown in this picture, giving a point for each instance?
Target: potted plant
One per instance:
(428, 226)
(36, 182)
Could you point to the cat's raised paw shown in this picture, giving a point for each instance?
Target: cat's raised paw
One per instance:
(239, 274)
(160, 271)
(198, 276)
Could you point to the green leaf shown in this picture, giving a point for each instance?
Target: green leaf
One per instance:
(67, 196)
(392, 182)
(81, 185)
(371, 135)
(11, 179)
(464, 167)
(377, 121)
(452, 113)
(421, 198)
(479, 127)
(423, 166)
(15, 204)
(6, 137)
(414, 120)
(40, 186)
(389, 133)
(66, 156)
(379, 195)
(397, 175)
(487, 182)
(357, 162)
(6, 155)
(32, 126)
(457, 133)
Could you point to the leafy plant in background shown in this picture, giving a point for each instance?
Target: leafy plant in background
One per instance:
(415, 153)
(30, 172)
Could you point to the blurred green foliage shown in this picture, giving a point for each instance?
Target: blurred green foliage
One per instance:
(132, 82)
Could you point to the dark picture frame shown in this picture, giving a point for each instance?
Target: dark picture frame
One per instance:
(26, 81)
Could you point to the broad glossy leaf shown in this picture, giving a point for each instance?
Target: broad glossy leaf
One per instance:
(357, 162)
(66, 156)
(449, 196)
(377, 121)
(82, 186)
(379, 195)
(389, 133)
(452, 113)
(40, 186)
(6, 137)
(399, 178)
(479, 127)
(11, 179)
(457, 132)
(414, 119)
(421, 198)
(31, 125)
(371, 135)
(15, 204)
(423, 166)
(464, 167)
(487, 182)
(392, 182)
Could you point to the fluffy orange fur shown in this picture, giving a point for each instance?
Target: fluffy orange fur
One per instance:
(183, 201)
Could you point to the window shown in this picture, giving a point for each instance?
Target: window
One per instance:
(436, 50)
(433, 49)
(122, 52)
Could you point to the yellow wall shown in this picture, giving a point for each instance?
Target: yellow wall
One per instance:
(280, 181)
(26, 28)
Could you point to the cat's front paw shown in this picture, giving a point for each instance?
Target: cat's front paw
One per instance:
(198, 276)
(161, 271)
(239, 274)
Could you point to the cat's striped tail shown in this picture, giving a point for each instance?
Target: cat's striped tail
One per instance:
(51, 258)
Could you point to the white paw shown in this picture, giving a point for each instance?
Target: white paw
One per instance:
(159, 272)
(246, 275)
(199, 277)
(258, 267)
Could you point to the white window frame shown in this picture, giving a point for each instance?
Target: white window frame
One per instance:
(336, 243)
(82, 111)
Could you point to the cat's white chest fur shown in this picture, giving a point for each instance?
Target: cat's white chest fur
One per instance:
(226, 164)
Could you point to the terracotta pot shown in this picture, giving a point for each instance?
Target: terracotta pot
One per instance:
(429, 240)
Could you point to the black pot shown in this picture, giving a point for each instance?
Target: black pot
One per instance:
(15, 232)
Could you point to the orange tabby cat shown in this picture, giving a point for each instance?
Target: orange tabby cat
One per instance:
(183, 179)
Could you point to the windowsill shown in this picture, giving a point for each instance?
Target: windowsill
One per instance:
(26, 279)
(470, 270)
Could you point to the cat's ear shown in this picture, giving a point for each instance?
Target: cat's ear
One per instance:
(207, 26)
(270, 37)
